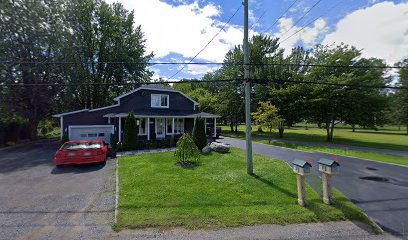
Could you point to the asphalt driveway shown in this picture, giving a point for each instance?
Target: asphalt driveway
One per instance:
(380, 189)
(39, 201)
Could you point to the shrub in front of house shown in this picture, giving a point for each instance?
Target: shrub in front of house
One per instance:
(200, 139)
(187, 153)
(130, 133)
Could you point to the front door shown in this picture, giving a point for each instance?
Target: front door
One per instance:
(160, 128)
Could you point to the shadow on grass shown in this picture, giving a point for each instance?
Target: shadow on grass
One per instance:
(382, 132)
(284, 191)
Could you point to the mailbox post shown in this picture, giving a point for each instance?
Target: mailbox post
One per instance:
(328, 168)
(302, 169)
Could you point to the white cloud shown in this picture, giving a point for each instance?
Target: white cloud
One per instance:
(183, 29)
(308, 36)
(380, 30)
(198, 70)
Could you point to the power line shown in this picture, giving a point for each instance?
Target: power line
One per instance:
(212, 39)
(266, 81)
(301, 18)
(213, 63)
(110, 84)
(290, 6)
(239, 80)
(311, 22)
(253, 24)
(283, 14)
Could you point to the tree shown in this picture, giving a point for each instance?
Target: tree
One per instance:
(267, 116)
(199, 137)
(402, 95)
(107, 49)
(332, 105)
(31, 32)
(130, 132)
(187, 149)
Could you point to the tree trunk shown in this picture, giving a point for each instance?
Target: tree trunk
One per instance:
(329, 132)
(281, 130)
(407, 129)
(319, 125)
(236, 124)
(353, 127)
(231, 125)
(32, 125)
(270, 136)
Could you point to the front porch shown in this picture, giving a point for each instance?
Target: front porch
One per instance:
(152, 128)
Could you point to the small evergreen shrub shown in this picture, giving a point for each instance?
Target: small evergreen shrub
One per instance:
(199, 137)
(187, 150)
(130, 133)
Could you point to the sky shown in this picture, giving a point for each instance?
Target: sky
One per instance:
(176, 30)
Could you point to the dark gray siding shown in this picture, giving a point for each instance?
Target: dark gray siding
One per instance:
(141, 100)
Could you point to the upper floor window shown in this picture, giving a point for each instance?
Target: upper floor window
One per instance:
(160, 101)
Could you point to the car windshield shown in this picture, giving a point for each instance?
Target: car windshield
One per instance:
(82, 145)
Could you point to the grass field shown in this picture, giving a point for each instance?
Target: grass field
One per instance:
(153, 191)
(385, 138)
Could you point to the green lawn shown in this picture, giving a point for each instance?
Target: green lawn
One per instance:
(386, 139)
(217, 193)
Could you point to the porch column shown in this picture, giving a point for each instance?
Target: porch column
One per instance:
(215, 127)
(205, 125)
(172, 127)
(148, 129)
(62, 127)
(108, 120)
(120, 129)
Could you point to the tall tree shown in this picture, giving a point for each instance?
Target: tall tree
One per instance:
(31, 33)
(107, 49)
(332, 105)
(402, 95)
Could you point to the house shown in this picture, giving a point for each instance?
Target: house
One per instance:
(160, 112)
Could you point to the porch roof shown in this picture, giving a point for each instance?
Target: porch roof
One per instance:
(176, 114)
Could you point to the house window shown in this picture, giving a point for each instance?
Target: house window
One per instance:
(160, 101)
(92, 135)
(179, 125)
(142, 125)
(169, 125)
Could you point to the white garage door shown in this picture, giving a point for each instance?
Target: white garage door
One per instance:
(94, 132)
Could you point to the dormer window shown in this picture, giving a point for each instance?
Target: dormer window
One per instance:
(160, 101)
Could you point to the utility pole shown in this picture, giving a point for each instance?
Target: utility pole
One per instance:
(248, 138)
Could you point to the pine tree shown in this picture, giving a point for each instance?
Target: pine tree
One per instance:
(130, 133)
(200, 139)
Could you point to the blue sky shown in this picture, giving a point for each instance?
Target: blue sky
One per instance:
(175, 30)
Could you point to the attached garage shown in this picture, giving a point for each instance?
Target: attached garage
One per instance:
(90, 132)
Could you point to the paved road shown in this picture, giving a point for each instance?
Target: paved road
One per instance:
(386, 202)
(39, 201)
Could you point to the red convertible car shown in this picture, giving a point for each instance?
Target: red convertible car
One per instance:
(81, 152)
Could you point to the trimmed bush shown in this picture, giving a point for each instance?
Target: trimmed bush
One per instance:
(199, 137)
(130, 133)
(187, 150)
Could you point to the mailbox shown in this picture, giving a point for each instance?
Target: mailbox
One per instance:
(328, 166)
(301, 167)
